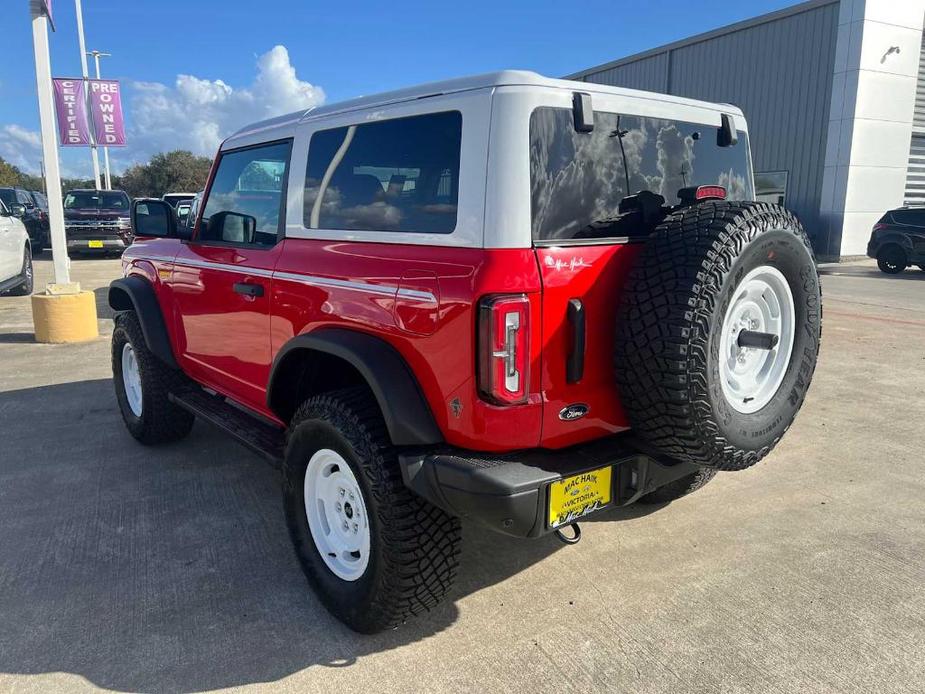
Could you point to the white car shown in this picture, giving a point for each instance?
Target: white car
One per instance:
(16, 276)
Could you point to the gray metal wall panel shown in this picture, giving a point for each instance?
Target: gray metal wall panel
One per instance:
(915, 175)
(780, 74)
(648, 74)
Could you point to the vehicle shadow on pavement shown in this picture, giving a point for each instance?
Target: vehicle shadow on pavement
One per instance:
(16, 338)
(101, 296)
(169, 568)
(909, 275)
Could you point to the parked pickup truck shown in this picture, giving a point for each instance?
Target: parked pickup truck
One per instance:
(512, 299)
(97, 221)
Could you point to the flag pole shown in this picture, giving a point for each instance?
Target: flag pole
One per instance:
(96, 56)
(86, 75)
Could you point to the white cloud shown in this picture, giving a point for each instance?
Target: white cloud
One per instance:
(20, 147)
(197, 114)
(194, 114)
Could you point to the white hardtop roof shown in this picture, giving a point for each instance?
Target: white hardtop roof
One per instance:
(283, 126)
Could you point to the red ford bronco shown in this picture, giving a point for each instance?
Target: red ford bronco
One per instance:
(505, 298)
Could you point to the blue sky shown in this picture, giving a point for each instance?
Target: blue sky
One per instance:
(195, 70)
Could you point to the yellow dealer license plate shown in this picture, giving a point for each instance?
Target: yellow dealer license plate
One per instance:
(574, 497)
(95, 244)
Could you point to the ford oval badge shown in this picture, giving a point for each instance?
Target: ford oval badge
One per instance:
(572, 412)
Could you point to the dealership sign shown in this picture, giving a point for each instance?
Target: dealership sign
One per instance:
(71, 107)
(106, 113)
(46, 8)
(77, 109)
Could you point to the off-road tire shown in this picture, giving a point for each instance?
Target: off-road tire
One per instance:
(161, 421)
(414, 545)
(892, 259)
(667, 344)
(27, 274)
(681, 487)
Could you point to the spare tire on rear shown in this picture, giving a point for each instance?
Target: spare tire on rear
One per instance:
(718, 333)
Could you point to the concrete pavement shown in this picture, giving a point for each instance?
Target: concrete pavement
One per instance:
(169, 569)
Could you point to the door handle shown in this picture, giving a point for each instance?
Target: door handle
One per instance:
(248, 289)
(575, 362)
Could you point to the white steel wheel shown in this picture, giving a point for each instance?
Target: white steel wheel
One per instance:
(131, 379)
(762, 303)
(337, 515)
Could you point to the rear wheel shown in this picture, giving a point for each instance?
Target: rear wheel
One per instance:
(374, 552)
(143, 384)
(892, 259)
(719, 332)
(682, 487)
(26, 275)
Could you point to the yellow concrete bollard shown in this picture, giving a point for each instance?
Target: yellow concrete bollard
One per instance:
(64, 317)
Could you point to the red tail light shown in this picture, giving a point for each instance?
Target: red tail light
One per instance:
(707, 192)
(504, 349)
(878, 226)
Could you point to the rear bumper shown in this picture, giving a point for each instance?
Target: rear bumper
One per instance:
(509, 493)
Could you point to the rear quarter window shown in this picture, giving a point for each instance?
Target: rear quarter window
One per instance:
(393, 175)
(580, 178)
(908, 217)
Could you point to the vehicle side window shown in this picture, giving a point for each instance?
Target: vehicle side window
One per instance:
(246, 197)
(578, 180)
(910, 217)
(24, 199)
(393, 175)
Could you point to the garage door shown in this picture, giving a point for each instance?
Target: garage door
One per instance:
(915, 179)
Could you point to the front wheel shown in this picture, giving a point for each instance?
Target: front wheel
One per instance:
(374, 552)
(26, 275)
(143, 384)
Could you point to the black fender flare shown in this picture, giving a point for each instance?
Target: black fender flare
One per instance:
(136, 294)
(407, 415)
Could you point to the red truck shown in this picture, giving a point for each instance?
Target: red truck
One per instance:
(506, 298)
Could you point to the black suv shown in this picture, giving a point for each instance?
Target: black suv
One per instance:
(21, 202)
(898, 240)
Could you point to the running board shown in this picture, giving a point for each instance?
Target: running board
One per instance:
(261, 437)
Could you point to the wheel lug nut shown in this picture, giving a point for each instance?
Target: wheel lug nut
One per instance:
(355, 528)
(342, 492)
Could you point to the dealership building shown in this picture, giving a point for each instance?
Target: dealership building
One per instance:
(834, 94)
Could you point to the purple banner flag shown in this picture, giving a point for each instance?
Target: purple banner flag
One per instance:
(71, 107)
(106, 113)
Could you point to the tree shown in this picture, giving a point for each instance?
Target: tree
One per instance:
(177, 171)
(9, 174)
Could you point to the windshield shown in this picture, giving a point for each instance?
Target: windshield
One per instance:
(104, 200)
(581, 178)
(8, 196)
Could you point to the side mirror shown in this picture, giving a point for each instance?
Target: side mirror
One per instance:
(233, 227)
(153, 217)
(18, 209)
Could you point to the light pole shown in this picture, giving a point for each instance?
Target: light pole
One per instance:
(49, 144)
(86, 75)
(96, 57)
